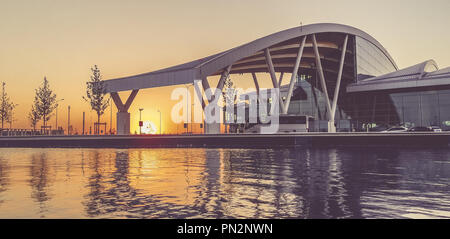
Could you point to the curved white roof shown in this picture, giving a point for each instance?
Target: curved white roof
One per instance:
(195, 70)
(415, 71)
(425, 74)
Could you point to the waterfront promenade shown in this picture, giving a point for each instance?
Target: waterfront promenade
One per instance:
(230, 140)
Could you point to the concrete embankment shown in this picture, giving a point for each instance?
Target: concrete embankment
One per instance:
(231, 140)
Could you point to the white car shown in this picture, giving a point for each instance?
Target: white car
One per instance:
(395, 129)
(435, 129)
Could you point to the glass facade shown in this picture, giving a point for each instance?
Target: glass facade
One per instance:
(355, 112)
(307, 99)
(368, 111)
(414, 108)
(370, 60)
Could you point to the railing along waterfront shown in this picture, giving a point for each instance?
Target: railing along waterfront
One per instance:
(29, 132)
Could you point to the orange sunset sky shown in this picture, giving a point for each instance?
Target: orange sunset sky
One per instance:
(62, 39)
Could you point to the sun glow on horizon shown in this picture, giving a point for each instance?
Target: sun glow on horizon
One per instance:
(149, 128)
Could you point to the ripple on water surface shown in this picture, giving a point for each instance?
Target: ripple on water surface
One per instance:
(225, 183)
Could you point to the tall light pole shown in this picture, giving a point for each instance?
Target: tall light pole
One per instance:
(56, 123)
(68, 120)
(160, 126)
(192, 115)
(84, 115)
(110, 116)
(140, 120)
(187, 107)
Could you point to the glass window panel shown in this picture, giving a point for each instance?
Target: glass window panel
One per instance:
(411, 111)
(370, 60)
(444, 111)
(430, 109)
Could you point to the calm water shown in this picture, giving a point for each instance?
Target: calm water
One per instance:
(224, 183)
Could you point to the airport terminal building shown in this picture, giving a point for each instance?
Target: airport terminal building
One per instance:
(340, 76)
(416, 96)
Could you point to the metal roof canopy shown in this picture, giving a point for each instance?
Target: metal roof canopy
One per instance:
(196, 70)
(410, 77)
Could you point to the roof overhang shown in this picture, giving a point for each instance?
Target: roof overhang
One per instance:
(411, 77)
(404, 84)
(152, 80)
(199, 69)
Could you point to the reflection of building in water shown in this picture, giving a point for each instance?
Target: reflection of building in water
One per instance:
(223, 183)
(411, 183)
(109, 186)
(149, 183)
(4, 177)
(173, 179)
(283, 183)
(251, 183)
(41, 175)
(328, 186)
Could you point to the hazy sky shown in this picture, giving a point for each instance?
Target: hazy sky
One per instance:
(63, 39)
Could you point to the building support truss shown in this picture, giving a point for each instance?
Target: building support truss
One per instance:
(273, 76)
(331, 107)
(121, 107)
(281, 79)
(255, 80)
(294, 75)
(212, 128)
(123, 117)
(338, 81)
(220, 85)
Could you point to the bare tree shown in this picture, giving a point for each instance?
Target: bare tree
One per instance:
(44, 102)
(11, 118)
(6, 106)
(34, 117)
(95, 94)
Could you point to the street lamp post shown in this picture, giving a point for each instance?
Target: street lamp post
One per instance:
(140, 120)
(68, 120)
(56, 116)
(192, 115)
(160, 126)
(110, 116)
(187, 108)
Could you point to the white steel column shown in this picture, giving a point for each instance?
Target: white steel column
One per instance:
(221, 83)
(338, 82)
(255, 80)
(199, 93)
(331, 127)
(214, 128)
(273, 76)
(123, 117)
(294, 75)
(205, 85)
(281, 79)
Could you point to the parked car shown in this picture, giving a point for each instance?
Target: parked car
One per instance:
(379, 128)
(419, 129)
(435, 129)
(395, 129)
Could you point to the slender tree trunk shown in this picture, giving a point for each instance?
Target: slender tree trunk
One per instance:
(45, 124)
(98, 123)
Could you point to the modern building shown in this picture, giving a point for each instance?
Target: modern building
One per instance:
(340, 76)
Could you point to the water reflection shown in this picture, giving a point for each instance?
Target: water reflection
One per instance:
(4, 178)
(39, 182)
(225, 183)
